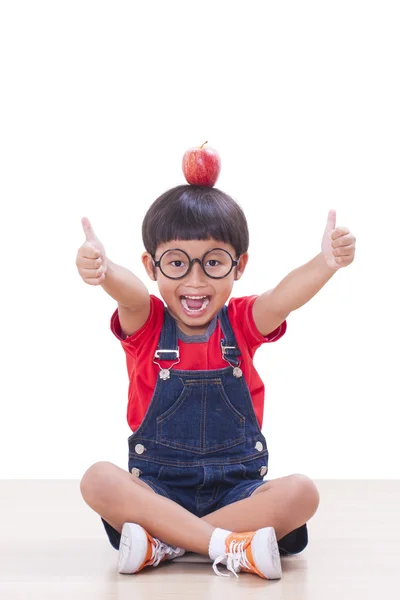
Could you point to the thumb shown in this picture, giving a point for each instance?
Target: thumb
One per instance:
(88, 229)
(331, 223)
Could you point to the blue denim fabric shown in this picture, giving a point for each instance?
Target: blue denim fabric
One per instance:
(200, 443)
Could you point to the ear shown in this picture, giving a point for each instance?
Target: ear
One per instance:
(239, 270)
(148, 265)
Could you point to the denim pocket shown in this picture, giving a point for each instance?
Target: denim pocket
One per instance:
(202, 419)
(234, 474)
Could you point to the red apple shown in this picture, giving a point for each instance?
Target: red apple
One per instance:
(201, 166)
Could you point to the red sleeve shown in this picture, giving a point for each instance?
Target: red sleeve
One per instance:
(138, 342)
(240, 311)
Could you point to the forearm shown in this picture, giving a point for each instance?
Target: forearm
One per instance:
(122, 285)
(301, 285)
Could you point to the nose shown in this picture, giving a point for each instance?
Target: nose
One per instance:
(196, 275)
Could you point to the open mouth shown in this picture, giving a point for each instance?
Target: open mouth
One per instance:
(195, 305)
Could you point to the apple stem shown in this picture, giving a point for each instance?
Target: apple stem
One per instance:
(203, 145)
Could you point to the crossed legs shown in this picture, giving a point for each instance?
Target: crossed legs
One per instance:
(284, 504)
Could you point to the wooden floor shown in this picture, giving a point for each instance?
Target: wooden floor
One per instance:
(53, 546)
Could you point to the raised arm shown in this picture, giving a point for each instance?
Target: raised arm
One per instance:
(338, 250)
(129, 291)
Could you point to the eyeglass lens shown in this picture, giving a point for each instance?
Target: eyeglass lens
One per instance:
(216, 263)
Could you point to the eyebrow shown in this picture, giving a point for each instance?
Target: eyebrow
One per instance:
(217, 250)
(174, 251)
(214, 248)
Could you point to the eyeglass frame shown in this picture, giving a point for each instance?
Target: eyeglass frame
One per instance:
(157, 263)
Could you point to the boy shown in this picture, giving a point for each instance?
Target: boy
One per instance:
(197, 457)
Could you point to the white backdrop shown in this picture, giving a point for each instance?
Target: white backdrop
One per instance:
(99, 101)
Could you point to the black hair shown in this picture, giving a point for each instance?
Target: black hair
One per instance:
(190, 212)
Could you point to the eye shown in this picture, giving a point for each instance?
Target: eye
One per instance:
(177, 263)
(212, 263)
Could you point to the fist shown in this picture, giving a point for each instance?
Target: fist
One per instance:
(91, 259)
(338, 244)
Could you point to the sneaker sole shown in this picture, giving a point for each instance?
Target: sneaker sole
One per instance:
(132, 548)
(266, 553)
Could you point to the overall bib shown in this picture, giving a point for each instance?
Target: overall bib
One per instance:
(199, 443)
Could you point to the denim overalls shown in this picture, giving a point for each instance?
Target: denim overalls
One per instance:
(199, 443)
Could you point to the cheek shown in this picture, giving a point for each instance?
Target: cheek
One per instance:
(225, 288)
(166, 288)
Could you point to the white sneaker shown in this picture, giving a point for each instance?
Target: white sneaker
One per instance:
(254, 552)
(138, 549)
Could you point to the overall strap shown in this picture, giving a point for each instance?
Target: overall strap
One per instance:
(229, 346)
(167, 348)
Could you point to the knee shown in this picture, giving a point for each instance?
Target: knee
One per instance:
(94, 480)
(306, 493)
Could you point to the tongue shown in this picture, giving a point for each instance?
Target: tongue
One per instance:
(194, 304)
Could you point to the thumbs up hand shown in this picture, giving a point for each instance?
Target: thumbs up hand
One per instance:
(91, 259)
(338, 244)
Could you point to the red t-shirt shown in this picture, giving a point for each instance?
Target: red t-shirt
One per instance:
(194, 354)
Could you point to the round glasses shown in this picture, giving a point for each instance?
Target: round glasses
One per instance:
(176, 263)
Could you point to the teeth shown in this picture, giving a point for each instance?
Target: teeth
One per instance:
(206, 302)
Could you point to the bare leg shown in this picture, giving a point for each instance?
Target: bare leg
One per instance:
(284, 504)
(120, 498)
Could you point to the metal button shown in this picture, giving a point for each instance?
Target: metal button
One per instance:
(259, 446)
(136, 472)
(263, 471)
(139, 448)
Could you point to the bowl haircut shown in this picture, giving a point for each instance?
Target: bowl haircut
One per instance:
(190, 212)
